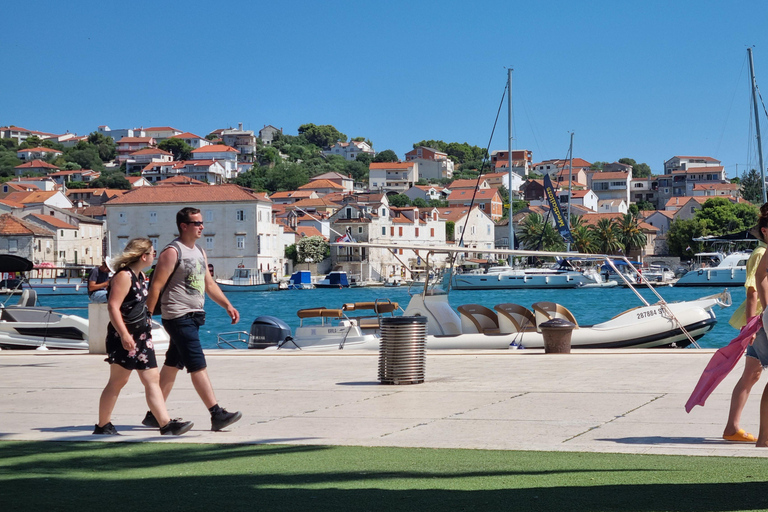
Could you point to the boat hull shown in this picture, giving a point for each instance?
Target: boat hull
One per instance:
(714, 277)
(515, 281)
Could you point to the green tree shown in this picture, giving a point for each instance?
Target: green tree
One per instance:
(386, 156)
(312, 247)
(323, 136)
(681, 234)
(399, 200)
(751, 187)
(111, 180)
(723, 217)
(583, 239)
(638, 170)
(420, 202)
(437, 203)
(630, 234)
(292, 253)
(105, 146)
(78, 184)
(86, 156)
(180, 149)
(598, 166)
(364, 158)
(645, 205)
(450, 231)
(8, 161)
(606, 235)
(537, 234)
(504, 193)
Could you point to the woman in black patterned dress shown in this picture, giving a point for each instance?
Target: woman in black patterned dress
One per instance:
(129, 339)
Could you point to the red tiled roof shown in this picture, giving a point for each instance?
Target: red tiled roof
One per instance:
(215, 148)
(620, 175)
(161, 129)
(151, 151)
(715, 186)
(323, 202)
(53, 221)
(186, 135)
(128, 140)
(36, 164)
(321, 184)
(37, 196)
(391, 165)
(308, 231)
(12, 204)
(705, 158)
(179, 180)
(463, 194)
(90, 211)
(10, 225)
(465, 183)
(39, 150)
(186, 194)
(455, 213)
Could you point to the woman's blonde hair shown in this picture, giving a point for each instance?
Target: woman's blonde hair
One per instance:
(132, 252)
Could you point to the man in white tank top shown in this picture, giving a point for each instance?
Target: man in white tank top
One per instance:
(182, 276)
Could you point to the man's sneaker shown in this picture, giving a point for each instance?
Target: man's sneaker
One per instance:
(150, 420)
(222, 419)
(107, 430)
(176, 428)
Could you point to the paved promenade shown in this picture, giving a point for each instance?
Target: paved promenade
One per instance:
(597, 401)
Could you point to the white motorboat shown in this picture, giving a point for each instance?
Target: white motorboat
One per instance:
(249, 280)
(505, 277)
(27, 325)
(717, 269)
(474, 326)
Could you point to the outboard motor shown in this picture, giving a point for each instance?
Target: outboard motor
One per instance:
(268, 331)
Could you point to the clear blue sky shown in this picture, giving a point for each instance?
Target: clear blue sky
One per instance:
(646, 80)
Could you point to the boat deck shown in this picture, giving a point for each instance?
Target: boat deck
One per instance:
(628, 401)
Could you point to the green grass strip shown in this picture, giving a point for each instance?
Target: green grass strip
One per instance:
(55, 476)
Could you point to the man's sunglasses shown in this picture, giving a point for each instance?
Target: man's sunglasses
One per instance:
(195, 222)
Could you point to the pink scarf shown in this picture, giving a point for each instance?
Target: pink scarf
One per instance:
(722, 363)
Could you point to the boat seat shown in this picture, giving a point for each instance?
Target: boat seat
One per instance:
(515, 318)
(477, 318)
(546, 311)
(28, 298)
(24, 315)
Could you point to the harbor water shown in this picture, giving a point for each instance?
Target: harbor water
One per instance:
(589, 305)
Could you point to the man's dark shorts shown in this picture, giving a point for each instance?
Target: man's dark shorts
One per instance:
(185, 350)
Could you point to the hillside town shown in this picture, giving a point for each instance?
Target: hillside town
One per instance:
(55, 211)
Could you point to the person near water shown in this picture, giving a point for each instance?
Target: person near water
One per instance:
(179, 283)
(129, 340)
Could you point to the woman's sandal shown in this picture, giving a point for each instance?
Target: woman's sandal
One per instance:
(741, 436)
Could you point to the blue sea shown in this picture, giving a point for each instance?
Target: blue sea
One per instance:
(589, 306)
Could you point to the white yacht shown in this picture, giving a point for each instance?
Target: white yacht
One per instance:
(505, 277)
(717, 269)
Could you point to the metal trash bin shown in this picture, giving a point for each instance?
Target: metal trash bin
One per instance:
(402, 350)
(557, 336)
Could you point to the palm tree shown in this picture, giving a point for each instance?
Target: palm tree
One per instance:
(630, 234)
(583, 238)
(536, 234)
(606, 234)
(530, 230)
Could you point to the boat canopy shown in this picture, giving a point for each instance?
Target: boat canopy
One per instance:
(337, 279)
(301, 277)
(12, 263)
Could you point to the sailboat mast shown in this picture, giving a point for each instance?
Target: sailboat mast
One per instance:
(757, 124)
(509, 160)
(570, 185)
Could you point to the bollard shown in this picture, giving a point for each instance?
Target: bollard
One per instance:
(557, 336)
(98, 319)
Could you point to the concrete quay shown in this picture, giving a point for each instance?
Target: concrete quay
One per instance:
(621, 401)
